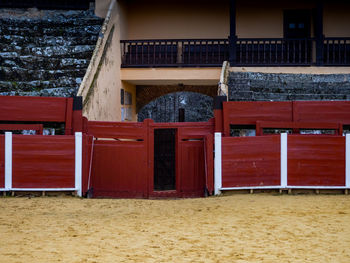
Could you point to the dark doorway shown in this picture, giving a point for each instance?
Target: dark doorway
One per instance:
(297, 23)
(164, 159)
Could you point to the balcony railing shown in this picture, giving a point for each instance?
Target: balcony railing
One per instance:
(336, 51)
(246, 51)
(176, 52)
(273, 52)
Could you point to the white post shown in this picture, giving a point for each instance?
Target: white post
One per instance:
(78, 162)
(347, 160)
(284, 149)
(217, 164)
(8, 160)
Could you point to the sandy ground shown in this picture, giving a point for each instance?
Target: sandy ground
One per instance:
(238, 228)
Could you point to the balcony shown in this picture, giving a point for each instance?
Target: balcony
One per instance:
(174, 52)
(244, 52)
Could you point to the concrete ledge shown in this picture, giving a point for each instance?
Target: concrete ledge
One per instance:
(171, 76)
(294, 70)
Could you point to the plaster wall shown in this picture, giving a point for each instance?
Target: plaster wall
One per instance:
(159, 19)
(336, 19)
(202, 19)
(102, 83)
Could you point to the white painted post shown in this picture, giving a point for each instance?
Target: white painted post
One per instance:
(217, 164)
(78, 162)
(284, 149)
(347, 160)
(8, 160)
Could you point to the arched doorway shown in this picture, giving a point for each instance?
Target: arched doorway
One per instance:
(178, 107)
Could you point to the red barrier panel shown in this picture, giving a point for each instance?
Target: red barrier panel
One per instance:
(251, 161)
(101, 129)
(325, 111)
(2, 161)
(316, 160)
(43, 161)
(41, 109)
(119, 169)
(192, 165)
(87, 162)
(247, 112)
(123, 159)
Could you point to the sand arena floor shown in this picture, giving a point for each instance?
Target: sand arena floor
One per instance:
(238, 228)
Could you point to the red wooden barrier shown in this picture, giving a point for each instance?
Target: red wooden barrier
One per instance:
(247, 112)
(195, 173)
(87, 162)
(123, 164)
(43, 161)
(325, 111)
(47, 109)
(316, 160)
(250, 161)
(2, 161)
(101, 129)
(119, 169)
(192, 165)
(195, 145)
(43, 109)
(38, 128)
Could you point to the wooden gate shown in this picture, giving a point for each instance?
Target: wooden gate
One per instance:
(123, 162)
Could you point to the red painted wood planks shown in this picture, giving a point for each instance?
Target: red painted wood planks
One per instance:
(119, 169)
(2, 161)
(40, 109)
(87, 162)
(322, 111)
(192, 167)
(132, 130)
(43, 161)
(250, 161)
(316, 160)
(248, 112)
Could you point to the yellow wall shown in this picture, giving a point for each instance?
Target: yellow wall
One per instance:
(160, 19)
(132, 89)
(336, 21)
(102, 83)
(264, 19)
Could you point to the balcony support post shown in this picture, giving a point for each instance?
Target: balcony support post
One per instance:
(233, 36)
(319, 32)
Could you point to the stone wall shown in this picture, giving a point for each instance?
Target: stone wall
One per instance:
(197, 107)
(253, 86)
(45, 52)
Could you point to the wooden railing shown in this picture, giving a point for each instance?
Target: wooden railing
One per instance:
(273, 51)
(247, 52)
(336, 51)
(175, 52)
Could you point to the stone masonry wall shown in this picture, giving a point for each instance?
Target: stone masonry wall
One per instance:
(45, 52)
(251, 86)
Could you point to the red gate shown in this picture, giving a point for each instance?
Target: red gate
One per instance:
(123, 159)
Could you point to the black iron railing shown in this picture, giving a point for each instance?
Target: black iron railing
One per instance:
(175, 52)
(246, 51)
(336, 51)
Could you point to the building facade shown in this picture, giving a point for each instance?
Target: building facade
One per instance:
(148, 49)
